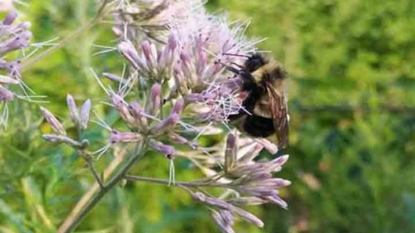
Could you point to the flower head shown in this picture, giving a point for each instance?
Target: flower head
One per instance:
(178, 90)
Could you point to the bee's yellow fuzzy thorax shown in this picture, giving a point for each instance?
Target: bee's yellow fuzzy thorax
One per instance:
(259, 73)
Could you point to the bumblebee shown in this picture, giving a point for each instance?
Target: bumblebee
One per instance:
(265, 110)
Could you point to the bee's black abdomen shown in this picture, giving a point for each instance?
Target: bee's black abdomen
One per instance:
(258, 126)
(254, 62)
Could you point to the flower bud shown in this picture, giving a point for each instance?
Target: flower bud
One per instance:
(180, 81)
(188, 69)
(276, 164)
(167, 56)
(250, 154)
(7, 80)
(181, 140)
(150, 53)
(245, 215)
(10, 18)
(12, 67)
(227, 217)
(277, 200)
(165, 125)
(194, 98)
(254, 177)
(24, 26)
(269, 146)
(123, 109)
(211, 201)
(172, 42)
(112, 77)
(64, 139)
(210, 72)
(201, 63)
(230, 152)
(247, 201)
(130, 53)
(257, 191)
(124, 137)
(5, 94)
(275, 182)
(178, 139)
(169, 151)
(178, 106)
(224, 225)
(240, 171)
(84, 115)
(53, 121)
(73, 109)
(137, 112)
(155, 99)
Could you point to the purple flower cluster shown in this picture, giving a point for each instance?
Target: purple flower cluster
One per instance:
(175, 91)
(189, 59)
(12, 37)
(177, 66)
(251, 182)
(152, 19)
(144, 120)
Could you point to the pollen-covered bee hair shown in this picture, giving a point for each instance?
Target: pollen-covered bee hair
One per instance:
(265, 108)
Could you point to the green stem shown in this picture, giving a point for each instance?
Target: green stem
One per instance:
(26, 64)
(87, 157)
(77, 215)
(94, 173)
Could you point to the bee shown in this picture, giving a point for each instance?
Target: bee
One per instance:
(265, 110)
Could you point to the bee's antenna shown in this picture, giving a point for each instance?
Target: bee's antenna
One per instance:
(230, 68)
(236, 55)
(236, 64)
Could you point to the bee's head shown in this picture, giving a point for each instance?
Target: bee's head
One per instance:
(255, 61)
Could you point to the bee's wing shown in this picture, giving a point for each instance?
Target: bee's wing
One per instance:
(278, 106)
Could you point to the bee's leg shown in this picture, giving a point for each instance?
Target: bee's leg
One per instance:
(230, 68)
(235, 117)
(248, 106)
(249, 82)
(235, 55)
(237, 65)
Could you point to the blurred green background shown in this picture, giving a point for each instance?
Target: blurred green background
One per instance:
(352, 107)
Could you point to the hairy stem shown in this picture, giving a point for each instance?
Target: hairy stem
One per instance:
(28, 63)
(92, 197)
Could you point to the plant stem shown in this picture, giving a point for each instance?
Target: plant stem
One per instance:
(163, 181)
(94, 173)
(88, 203)
(26, 64)
(95, 187)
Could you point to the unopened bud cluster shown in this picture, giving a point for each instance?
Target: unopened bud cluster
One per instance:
(252, 182)
(79, 117)
(152, 19)
(145, 119)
